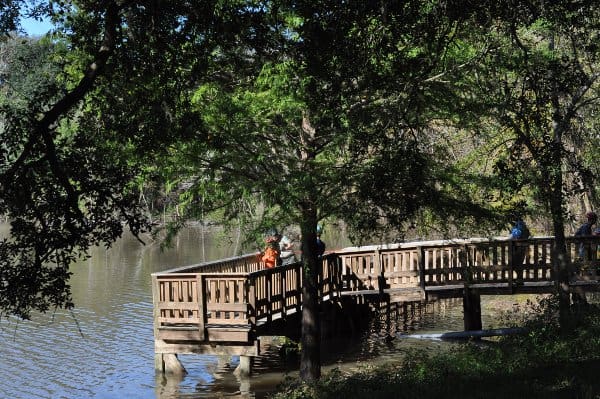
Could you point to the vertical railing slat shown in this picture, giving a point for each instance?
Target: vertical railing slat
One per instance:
(201, 290)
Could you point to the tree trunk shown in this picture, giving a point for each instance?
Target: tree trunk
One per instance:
(560, 260)
(555, 178)
(310, 358)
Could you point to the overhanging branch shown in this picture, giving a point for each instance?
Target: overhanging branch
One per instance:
(44, 128)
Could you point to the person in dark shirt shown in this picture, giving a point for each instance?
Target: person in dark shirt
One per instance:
(586, 230)
(320, 243)
(519, 231)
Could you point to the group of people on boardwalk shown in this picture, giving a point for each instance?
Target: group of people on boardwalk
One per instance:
(279, 249)
(520, 230)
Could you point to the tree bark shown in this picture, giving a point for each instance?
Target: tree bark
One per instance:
(555, 178)
(310, 357)
(559, 251)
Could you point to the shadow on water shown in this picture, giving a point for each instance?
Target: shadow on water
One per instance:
(105, 347)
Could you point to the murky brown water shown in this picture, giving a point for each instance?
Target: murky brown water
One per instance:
(104, 348)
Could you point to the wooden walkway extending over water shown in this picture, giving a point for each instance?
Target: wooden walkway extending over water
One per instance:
(223, 307)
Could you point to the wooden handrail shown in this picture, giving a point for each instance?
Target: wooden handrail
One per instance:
(239, 264)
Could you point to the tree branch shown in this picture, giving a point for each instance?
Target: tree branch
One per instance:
(44, 127)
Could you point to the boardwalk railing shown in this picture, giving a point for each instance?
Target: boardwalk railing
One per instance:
(224, 301)
(197, 302)
(441, 265)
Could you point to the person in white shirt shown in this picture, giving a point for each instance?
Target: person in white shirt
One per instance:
(287, 250)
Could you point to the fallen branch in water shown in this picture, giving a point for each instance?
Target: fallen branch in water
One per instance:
(468, 334)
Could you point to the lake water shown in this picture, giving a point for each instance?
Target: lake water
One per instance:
(104, 348)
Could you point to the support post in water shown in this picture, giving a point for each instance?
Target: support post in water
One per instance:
(471, 310)
(168, 363)
(245, 366)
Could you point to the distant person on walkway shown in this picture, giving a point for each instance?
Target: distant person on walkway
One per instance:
(519, 231)
(286, 247)
(320, 243)
(586, 230)
(271, 254)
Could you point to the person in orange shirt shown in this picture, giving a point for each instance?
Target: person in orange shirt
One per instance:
(271, 253)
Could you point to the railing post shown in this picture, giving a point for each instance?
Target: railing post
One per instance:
(155, 300)
(298, 274)
(282, 280)
(511, 257)
(339, 275)
(320, 261)
(200, 283)
(466, 265)
(323, 286)
(421, 260)
(269, 294)
(251, 292)
(377, 270)
(546, 250)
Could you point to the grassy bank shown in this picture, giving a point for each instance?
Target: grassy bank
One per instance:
(548, 362)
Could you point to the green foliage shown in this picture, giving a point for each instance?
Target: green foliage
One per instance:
(62, 195)
(289, 350)
(546, 362)
(321, 118)
(91, 122)
(538, 83)
(550, 342)
(338, 118)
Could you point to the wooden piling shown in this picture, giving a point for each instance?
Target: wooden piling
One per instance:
(472, 310)
(245, 366)
(169, 364)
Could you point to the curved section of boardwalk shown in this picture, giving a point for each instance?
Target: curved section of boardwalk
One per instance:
(223, 306)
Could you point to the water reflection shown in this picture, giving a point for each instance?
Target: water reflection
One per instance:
(104, 348)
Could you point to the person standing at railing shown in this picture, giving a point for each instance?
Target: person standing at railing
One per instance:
(596, 232)
(286, 247)
(320, 243)
(586, 230)
(271, 254)
(519, 231)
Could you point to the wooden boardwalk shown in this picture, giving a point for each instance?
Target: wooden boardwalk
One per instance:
(223, 307)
